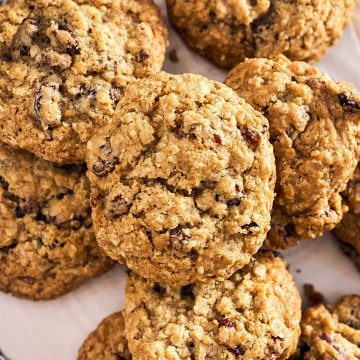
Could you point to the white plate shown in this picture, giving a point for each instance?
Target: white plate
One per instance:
(55, 329)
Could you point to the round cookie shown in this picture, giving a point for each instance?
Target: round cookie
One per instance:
(227, 32)
(182, 180)
(47, 245)
(255, 314)
(63, 67)
(107, 341)
(314, 128)
(348, 231)
(331, 333)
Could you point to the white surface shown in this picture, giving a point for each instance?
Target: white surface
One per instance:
(54, 330)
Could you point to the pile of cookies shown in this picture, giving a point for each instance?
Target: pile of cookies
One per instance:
(191, 183)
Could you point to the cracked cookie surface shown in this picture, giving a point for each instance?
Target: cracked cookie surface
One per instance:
(182, 180)
(314, 128)
(228, 31)
(63, 67)
(107, 341)
(47, 245)
(348, 231)
(255, 314)
(331, 333)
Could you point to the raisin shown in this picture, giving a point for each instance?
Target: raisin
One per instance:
(159, 289)
(234, 202)
(193, 255)
(187, 291)
(251, 137)
(8, 248)
(96, 197)
(191, 347)
(19, 212)
(12, 197)
(104, 167)
(46, 121)
(249, 226)
(135, 18)
(177, 234)
(119, 207)
(3, 183)
(73, 49)
(37, 103)
(24, 50)
(347, 103)
(41, 217)
(237, 350)
(227, 322)
(217, 139)
(327, 338)
(212, 15)
(64, 193)
(263, 22)
(142, 56)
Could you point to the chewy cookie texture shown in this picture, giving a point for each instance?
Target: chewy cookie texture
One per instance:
(182, 180)
(348, 231)
(63, 67)
(47, 245)
(314, 129)
(255, 314)
(107, 341)
(228, 31)
(332, 332)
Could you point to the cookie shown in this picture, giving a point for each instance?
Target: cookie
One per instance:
(47, 244)
(255, 314)
(107, 341)
(63, 67)
(226, 32)
(314, 128)
(331, 333)
(182, 180)
(349, 228)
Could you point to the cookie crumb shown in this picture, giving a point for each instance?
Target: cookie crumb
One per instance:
(173, 56)
(314, 297)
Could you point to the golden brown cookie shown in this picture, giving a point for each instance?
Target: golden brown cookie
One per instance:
(107, 341)
(255, 314)
(331, 333)
(47, 245)
(63, 67)
(182, 180)
(228, 31)
(314, 128)
(348, 231)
